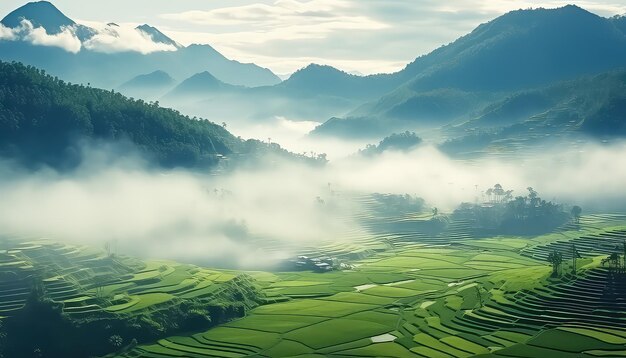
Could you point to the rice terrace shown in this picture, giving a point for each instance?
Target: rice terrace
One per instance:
(312, 178)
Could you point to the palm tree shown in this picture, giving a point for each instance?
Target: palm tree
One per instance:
(498, 191)
(556, 259)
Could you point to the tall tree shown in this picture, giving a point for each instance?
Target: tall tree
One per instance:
(556, 259)
(575, 255)
(576, 211)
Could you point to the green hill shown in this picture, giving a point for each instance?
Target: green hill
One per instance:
(520, 50)
(44, 120)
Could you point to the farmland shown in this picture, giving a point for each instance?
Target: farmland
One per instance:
(406, 293)
(472, 296)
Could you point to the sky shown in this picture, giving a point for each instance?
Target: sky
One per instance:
(364, 36)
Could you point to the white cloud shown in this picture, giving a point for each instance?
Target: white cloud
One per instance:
(281, 12)
(179, 215)
(66, 39)
(284, 20)
(112, 39)
(107, 39)
(287, 35)
(7, 34)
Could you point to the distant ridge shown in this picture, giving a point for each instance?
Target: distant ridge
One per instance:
(110, 70)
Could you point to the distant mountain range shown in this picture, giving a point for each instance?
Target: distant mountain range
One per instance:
(150, 86)
(501, 74)
(109, 69)
(523, 49)
(518, 51)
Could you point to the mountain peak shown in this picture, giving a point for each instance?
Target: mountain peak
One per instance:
(40, 13)
(199, 84)
(314, 70)
(204, 77)
(157, 78)
(157, 36)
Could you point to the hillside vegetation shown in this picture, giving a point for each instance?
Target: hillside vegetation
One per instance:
(43, 121)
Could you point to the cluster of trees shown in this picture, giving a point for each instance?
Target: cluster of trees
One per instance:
(396, 204)
(532, 210)
(397, 141)
(43, 120)
(502, 213)
(616, 263)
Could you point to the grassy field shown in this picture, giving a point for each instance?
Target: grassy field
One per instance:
(412, 296)
(490, 297)
(87, 282)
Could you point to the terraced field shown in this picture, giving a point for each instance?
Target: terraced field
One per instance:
(472, 296)
(87, 282)
(406, 293)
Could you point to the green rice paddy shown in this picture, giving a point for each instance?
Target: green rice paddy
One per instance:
(414, 296)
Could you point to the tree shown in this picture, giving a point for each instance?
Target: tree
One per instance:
(576, 211)
(613, 261)
(556, 259)
(533, 197)
(575, 255)
(498, 192)
(508, 195)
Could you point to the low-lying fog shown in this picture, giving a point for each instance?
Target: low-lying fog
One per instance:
(228, 219)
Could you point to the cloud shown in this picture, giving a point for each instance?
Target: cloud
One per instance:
(252, 217)
(183, 215)
(7, 33)
(107, 39)
(287, 35)
(66, 39)
(113, 39)
(284, 13)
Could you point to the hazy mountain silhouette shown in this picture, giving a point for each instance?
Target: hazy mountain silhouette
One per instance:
(200, 86)
(149, 86)
(110, 70)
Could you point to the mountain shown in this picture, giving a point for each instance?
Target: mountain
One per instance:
(44, 14)
(157, 36)
(524, 49)
(40, 14)
(311, 93)
(588, 107)
(520, 50)
(149, 86)
(44, 121)
(329, 81)
(109, 69)
(200, 85)
(153, 79)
